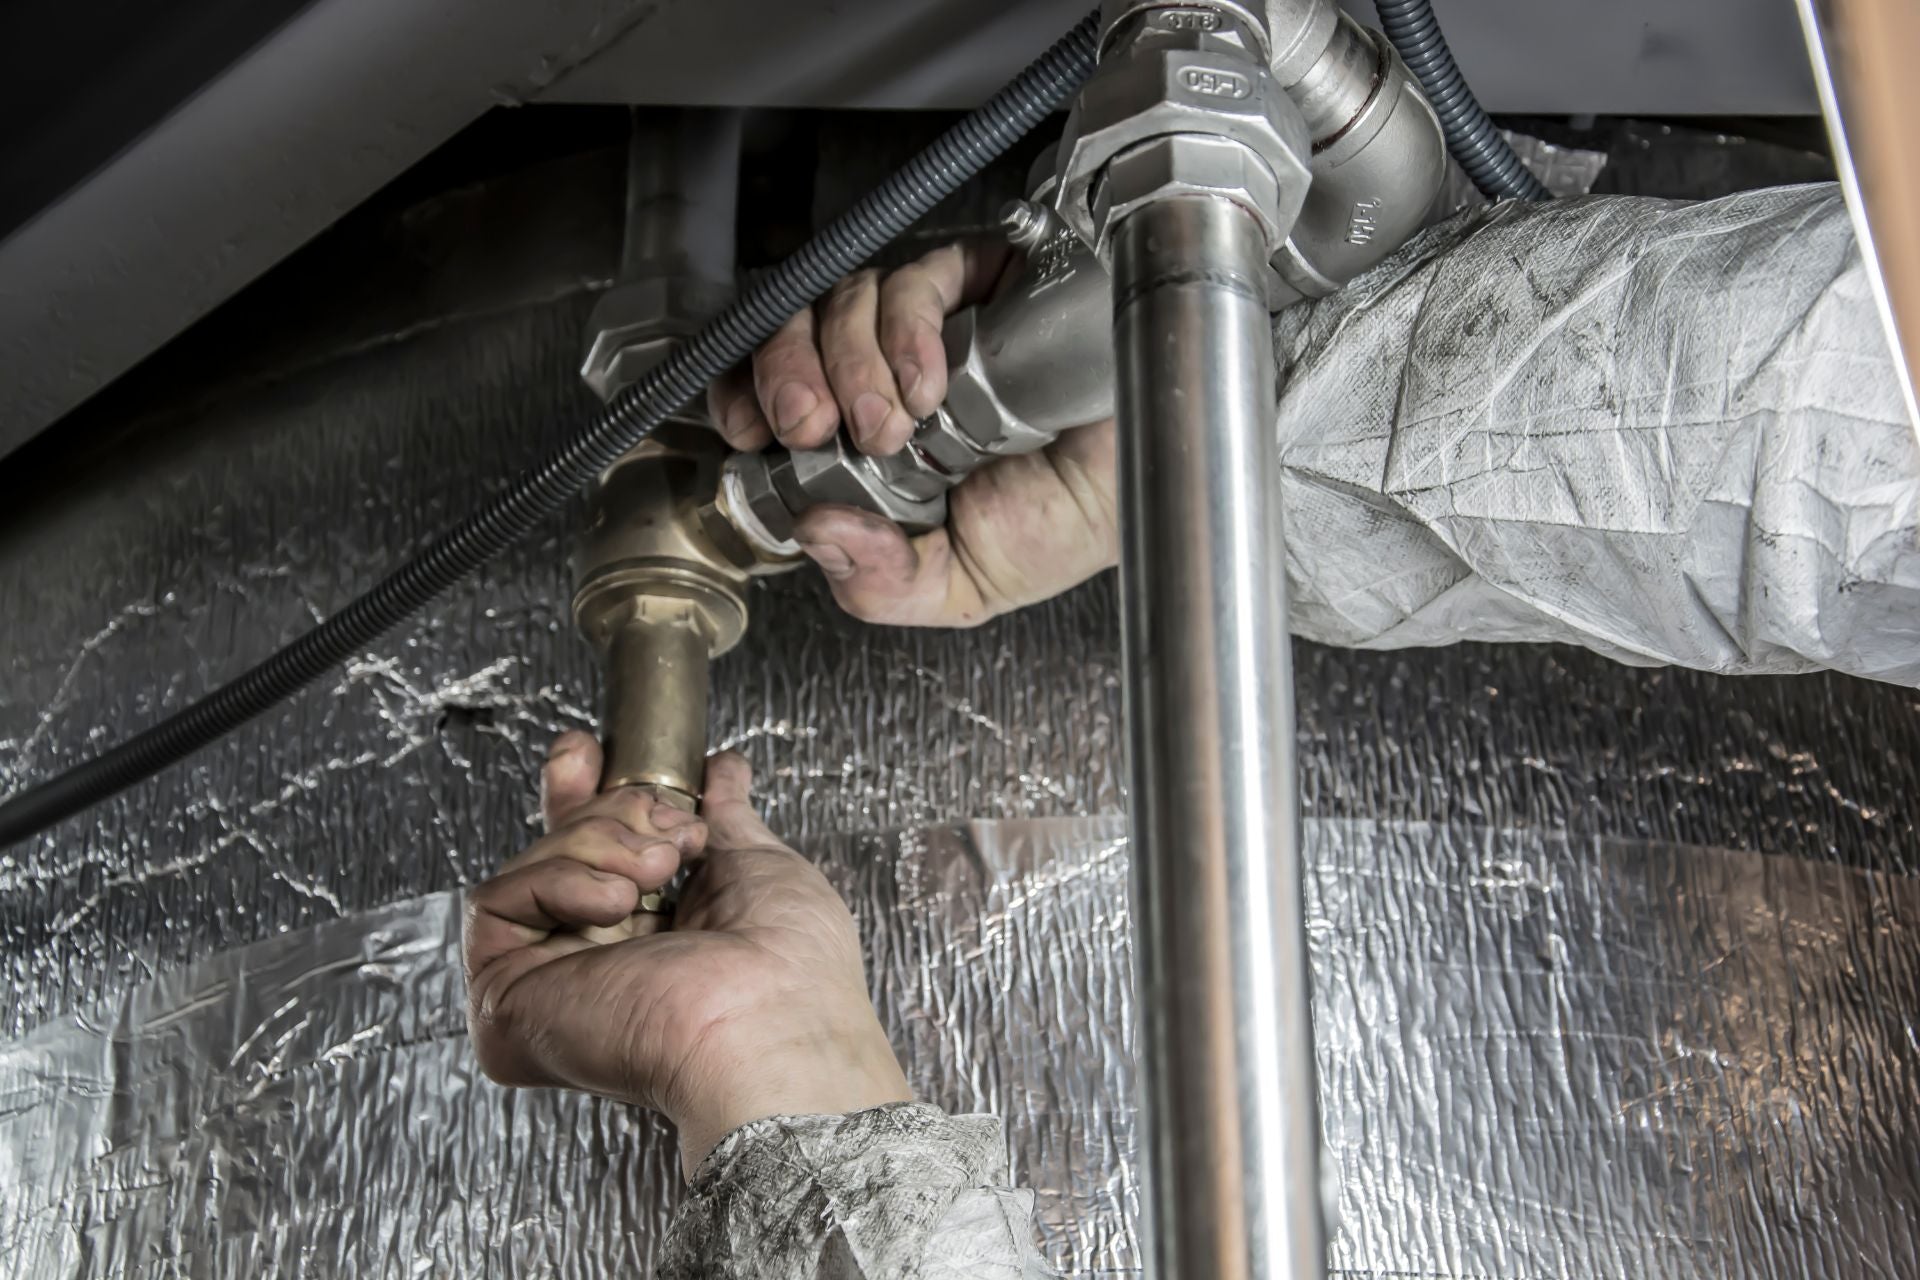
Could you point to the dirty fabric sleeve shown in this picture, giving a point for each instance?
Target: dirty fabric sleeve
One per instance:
(1670, 432)
(902, 1190)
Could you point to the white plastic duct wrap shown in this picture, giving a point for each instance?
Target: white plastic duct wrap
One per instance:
(1670, 432)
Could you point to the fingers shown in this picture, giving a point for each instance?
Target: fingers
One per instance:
(791, 385)
(726, 803)
(735, 411)
(570, 777)
(914, 304)
(638, 809)
(647, 857)
(522, 907)
(869, 357)
(618, 840)
(862, 381)
(879, 575)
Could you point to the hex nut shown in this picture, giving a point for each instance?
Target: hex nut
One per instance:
(1188, 24)
(763, 493)
(635, 324)
(946, 447)
(838, 473)
(1191, 164)
(754, 500)
(1148, 92)
(971, 398)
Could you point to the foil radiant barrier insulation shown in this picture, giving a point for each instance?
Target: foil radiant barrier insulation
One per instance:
(366, 395)
(1539, 1057)
(1670, 432)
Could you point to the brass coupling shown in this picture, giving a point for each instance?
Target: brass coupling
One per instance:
(660, 592)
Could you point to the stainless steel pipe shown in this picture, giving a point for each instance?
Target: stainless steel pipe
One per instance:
(1231, 1116)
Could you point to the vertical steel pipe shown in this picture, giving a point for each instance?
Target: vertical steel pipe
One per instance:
(683, 192)
(1231, 1115)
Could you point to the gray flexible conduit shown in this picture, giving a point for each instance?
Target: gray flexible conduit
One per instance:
(1471, 136)
(768, 302)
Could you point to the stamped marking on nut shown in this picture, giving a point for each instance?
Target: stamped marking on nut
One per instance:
(1216, 82)
(1186, 20)
(1365, 221)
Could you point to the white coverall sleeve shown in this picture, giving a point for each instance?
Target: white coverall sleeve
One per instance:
(894, 1192)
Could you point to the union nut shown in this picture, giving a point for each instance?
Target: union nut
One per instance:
(973, 407)
(1151, 91)
(635, 325)
(1193, 164)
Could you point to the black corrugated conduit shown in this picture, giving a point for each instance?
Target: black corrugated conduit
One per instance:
(849, 241)
(1472, 138)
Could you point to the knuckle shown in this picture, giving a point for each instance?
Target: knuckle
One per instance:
(779, 354)
(631, 802)
(484, 1011)
(907, 286)
(863, 602)
(597, 829)
(849, 370)
(853, 289)
(473, 907)
(786, 344)
(784, 367)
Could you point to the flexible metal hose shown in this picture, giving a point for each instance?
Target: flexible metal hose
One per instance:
(768, 302)
(1471, 136)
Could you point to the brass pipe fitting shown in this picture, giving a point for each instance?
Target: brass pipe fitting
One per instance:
(660, 591)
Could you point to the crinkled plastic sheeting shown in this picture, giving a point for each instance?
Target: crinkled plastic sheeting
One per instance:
(1670, 432)
(1611, 958)
(1539, 1057)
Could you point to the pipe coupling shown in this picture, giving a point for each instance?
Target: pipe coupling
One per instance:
(1167, 73)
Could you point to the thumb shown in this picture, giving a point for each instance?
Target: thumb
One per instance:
(570, 777)
(727, 805)
(879, 575)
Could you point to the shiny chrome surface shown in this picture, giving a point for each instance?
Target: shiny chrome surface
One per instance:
(1338, 111)
(1232, 1142)
(1180, 71)
(1863, 53)
(1379, 162)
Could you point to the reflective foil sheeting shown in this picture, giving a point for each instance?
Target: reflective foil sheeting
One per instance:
(1540, 1056)
(357, 405)
(309, 1106)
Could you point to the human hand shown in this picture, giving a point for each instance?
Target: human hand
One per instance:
(1018, 531)
(749, 1001)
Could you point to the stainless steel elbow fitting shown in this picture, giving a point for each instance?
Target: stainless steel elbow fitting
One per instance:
(1379, 161)
(1342, 169)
